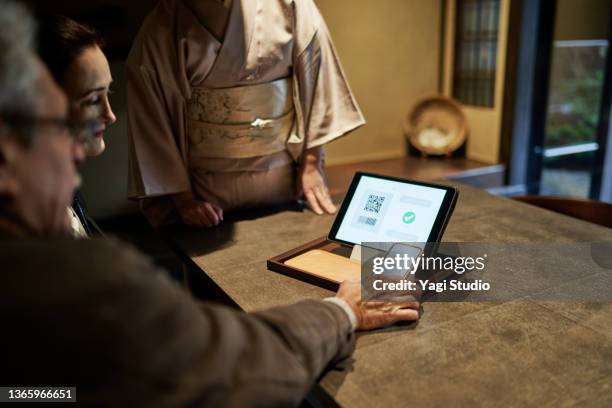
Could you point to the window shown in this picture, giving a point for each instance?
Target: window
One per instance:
(476, 36)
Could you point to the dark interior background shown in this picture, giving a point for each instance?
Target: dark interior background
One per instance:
(117, 20)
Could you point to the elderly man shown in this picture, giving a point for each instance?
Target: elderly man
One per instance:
(97, 315)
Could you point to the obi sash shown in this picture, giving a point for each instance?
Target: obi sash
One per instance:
(240, 122)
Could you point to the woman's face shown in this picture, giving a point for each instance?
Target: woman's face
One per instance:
(87, 82)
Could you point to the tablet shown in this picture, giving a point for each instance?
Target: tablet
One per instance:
(382, 209)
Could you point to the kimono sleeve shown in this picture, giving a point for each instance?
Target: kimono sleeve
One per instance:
(156, 130)
(327, 106)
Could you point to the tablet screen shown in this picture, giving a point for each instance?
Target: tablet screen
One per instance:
(382, 209)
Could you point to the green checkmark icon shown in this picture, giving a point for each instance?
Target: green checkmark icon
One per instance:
(409, 217)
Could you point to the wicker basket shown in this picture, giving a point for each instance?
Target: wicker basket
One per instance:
(436, 126)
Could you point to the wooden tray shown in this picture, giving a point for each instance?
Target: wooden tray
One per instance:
(309, 269)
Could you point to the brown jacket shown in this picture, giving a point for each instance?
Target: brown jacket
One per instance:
(99, 316)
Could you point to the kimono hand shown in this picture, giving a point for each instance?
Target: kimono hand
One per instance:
(312, 184)
(196, 213)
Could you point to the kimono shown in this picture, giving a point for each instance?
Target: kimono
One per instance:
(229, 119)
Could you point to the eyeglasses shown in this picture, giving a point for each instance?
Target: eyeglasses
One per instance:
(81, 131)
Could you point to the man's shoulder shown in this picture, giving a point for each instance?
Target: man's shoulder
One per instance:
(67, 258)
(59, 247)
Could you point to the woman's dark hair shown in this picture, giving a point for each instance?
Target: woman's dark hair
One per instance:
(61, 40)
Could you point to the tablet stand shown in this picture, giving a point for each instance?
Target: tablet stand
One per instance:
(348, 264)
(356, 253)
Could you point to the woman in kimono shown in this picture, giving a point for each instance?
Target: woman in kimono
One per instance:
(229, 105)
(73, 54)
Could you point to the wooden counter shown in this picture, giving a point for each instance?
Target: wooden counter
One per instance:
(516, 353)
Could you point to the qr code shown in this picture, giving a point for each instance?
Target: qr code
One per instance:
(374, 203)
(367, 220)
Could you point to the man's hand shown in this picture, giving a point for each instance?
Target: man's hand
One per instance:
(197, 213)
(372, 314)
(312, 184)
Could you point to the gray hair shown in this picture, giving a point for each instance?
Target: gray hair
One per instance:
(19, 69)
